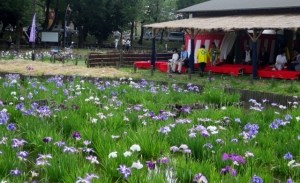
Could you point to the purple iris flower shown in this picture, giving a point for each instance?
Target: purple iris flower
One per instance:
(199, 178)
(208, 145)
(150, 164)
(288, 156)
(47, 139)
(125, 171)
(273, 126)
(289, 181)
(76, 135)
(233, 157)
(15, 172)
(19, 106)
(11, 127)
(256, 179)
(22, 154)
(224, 170)
(163, 160)
(288, 117)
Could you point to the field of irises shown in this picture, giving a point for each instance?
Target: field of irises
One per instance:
(74, 129)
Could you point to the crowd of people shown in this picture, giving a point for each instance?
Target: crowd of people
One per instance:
(203, 55)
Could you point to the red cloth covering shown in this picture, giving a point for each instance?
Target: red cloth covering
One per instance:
(146, 64)
(164, 68)
(224, 69)
(284, 74)
(247, 68)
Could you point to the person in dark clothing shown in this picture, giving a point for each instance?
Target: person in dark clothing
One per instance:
(295, 64)
(263, 58)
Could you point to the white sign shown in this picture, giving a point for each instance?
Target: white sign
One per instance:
(50, 37)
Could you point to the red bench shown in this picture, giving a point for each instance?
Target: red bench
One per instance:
(225, 70)
(284, 74)
(147, 65)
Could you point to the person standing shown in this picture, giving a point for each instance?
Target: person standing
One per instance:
(9, 41)
(263, 58)
(202, 55)
(127, 44)
(123, 43)
(247, 58)
(116, 42)
(180, 62)
(214, 53)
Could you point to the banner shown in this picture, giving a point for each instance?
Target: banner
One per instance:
(266, 40)
(32, 31)
(203, 39)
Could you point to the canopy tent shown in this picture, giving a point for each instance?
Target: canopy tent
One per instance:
(232, 23)
(208, 24)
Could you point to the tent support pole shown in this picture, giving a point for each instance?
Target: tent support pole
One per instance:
(153, 48)
(192, 46)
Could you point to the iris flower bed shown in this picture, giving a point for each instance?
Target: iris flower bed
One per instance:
(91, 130)
(45, 55)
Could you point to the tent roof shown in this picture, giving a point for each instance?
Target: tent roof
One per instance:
(230, 5)
(229, 23)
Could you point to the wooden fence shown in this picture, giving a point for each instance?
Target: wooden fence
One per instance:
(121, 59)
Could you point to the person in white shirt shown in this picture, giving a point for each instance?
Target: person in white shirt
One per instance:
(181, 60)
(127, 44)
(280, 60)
(123, 43)
(172, 61)
(247, 58)
(116, 42)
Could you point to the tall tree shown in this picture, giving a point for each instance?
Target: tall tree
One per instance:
(17, 13)
(98, 18)
(158, 11)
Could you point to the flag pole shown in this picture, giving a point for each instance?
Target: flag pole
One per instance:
(33, 43)
(65, 33)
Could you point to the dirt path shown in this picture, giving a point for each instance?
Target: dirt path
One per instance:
(40, 68)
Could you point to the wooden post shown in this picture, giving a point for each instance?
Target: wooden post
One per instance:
(190, 73)
(76, 60)
(42, 57)
(153, 52)
(170, 69)
(101, 63)
(209, 76)
(232, 76)
(272, 80)
(134, 68)
(1, 55)
(251, 79)
(152, 70)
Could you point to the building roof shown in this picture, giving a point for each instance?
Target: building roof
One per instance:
(231, 5)
(229, 23)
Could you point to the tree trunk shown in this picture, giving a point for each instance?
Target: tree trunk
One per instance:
(162, 35)
(46, 21)
(142, 35)
(4, 25)
(55, 21)
(18, 36)
(82, 36)
(131, 32)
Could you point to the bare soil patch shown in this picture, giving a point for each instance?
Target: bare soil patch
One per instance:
(46, 68)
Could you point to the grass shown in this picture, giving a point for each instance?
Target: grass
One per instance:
(285, 87)
(137, 114)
